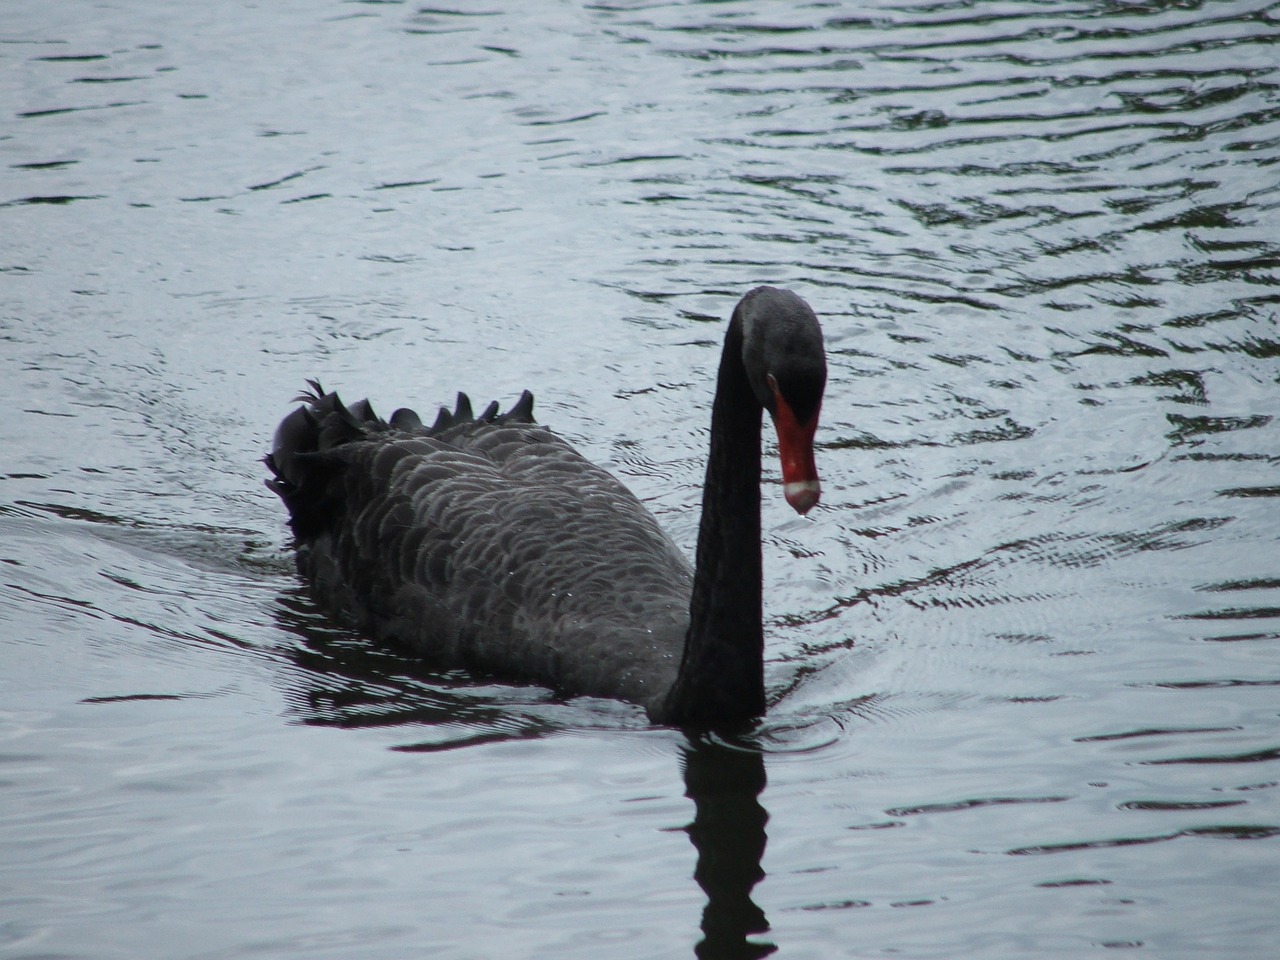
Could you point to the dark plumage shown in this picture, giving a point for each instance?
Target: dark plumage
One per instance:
(487, 541)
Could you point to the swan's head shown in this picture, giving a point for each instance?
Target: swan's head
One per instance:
(787, 366)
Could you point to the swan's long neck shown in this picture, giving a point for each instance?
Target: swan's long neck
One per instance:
(721, 676)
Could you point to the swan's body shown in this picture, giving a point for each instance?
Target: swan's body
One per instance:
(487, 541)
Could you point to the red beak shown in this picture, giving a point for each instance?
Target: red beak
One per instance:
(800, 484)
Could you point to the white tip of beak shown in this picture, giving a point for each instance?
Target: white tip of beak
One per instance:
(802, 494)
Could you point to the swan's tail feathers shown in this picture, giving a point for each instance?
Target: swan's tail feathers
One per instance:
(407, 420)
(307, 457)
(522, 410)
(304, 470)
(461, 414)
(462, 411)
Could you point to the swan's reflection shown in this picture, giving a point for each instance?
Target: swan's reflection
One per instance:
(725, 781)
(346, 681)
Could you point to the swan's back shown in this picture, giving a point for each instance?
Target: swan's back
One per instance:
(484, 541)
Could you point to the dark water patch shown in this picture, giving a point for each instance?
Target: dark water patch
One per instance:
(1208, 684)
(71, 58)
(1257, 583)
(1093, 550)
(1250, 492)
(1248, 269)
(1260, 348)
(1120, 345)
(72, 512)
(58, 111)
(1227, 832)
(1024, 637)
(835, 905)
(974, 803)
(1242, 637)
(1232, 613)
(287, 178)
(389, 258)
(45, 165)
(57, 600)
(402, 184)
(559, 121)
(1153, 732)
(53, 413)
(107, 80)
(52, 200)
(1205, 456)
(1231, 832)
(878, 825)
(122, 580)
(1249, 787)
(1006, 431)
(1164, 806)
(461, 737)
(900, 588)
(455, 12)
(1253, 756)
(166, 632)
(639, 158)
(864, 441)
(1188, 385)
(136, 697)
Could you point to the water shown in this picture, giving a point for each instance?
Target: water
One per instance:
(1022, 661)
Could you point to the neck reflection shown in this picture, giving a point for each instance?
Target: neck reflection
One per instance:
(725, 780)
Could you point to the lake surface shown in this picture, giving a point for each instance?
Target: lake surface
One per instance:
(1023, 661)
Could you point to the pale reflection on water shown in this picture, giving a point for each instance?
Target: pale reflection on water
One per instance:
(1022, 660)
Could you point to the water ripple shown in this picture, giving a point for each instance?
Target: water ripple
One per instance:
(1223, 832)
(971, 804)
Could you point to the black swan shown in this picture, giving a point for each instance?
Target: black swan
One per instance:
(488, 542)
